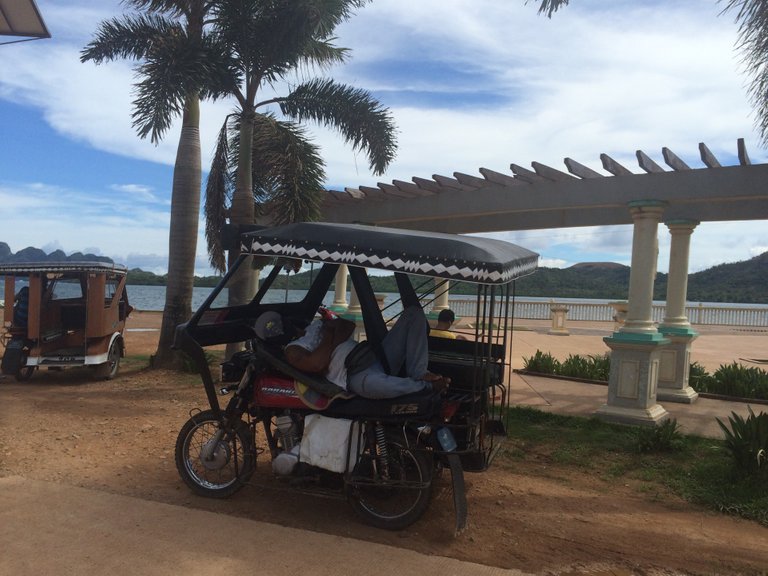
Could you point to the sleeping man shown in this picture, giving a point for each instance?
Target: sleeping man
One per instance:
(326, 344)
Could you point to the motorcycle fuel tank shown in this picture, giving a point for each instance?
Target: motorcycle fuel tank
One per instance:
(276, 392)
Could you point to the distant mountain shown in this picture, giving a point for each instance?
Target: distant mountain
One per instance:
(742, 282)
(31, 254)
(745, 281)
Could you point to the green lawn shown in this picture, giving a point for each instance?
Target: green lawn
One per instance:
(659, 461)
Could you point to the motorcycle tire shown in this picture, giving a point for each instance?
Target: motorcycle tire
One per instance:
(391, 504)
(231, 465)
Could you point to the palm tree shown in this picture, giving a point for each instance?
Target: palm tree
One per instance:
(262, 162)
(175, 70)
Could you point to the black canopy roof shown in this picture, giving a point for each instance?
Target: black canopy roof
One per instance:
(58, 267)
(465, 258)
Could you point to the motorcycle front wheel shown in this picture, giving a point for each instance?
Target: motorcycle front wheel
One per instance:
(393, 493)
(214, 464)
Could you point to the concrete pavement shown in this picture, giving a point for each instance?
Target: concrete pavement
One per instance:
(54, 529)
(715, 346)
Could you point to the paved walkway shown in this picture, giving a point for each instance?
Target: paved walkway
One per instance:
(55, 529)
(716, 345)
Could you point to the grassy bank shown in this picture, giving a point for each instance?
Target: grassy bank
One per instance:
(657, 462)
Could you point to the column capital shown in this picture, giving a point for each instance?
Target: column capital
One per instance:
(648, 204)
(682, 224)
(647, 209)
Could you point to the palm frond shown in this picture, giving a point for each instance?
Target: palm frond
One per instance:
(174, 69)
(132, 37)
(323, 54)
(361, 120)
(217, 192)
(752, 19)
(288, 171)
(549, 7)
(273, 37)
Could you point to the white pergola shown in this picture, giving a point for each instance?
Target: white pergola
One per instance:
(648, 362)
(546, 197)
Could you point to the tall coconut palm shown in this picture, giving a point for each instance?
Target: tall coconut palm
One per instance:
(271, 163)
(175, 67)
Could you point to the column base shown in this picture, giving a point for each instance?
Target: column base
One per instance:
(651, 416)
(685, 395)
(558, 332)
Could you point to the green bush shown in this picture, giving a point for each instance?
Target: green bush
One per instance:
(665, 437)
(701, 380)
(593, 367)
(731, 380)
(742, 381)
(747, 442)
(542, 362)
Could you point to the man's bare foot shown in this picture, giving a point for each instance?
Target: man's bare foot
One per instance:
(440, 383)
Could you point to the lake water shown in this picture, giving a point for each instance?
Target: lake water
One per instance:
(153, 298)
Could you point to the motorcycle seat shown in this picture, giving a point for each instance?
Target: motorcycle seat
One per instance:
(419, 405)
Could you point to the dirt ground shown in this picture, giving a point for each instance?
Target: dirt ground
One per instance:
(119, 437)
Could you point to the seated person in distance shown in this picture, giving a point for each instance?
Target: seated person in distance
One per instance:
(445, 319)
(324, 346)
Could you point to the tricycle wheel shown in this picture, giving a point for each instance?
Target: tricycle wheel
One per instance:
(108, 370)
(213, 462)
(24, 373)
(395, 493)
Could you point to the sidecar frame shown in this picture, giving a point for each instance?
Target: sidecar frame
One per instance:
(478, 367)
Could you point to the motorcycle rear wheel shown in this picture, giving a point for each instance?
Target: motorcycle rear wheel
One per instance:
(232, 461)
(400, 500)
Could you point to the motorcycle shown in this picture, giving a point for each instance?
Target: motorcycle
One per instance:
(384, 455)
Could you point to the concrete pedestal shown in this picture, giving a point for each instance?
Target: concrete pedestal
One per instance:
(559, 315)
(633, 380)
(675, 366)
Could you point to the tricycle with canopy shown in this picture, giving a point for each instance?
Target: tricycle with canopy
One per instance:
(382, 455)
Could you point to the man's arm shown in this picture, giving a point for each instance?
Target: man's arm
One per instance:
(334, 332)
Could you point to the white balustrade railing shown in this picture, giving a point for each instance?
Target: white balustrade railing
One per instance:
(593, 312)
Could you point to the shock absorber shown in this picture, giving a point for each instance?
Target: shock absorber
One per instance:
(383, 452)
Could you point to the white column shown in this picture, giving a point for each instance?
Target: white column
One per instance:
(340, 295)
(646, 216)
(441, 298)
(354, 313)
(636, 346)
(675, 364)
(677, 280)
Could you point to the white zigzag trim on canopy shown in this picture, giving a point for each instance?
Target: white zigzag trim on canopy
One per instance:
(439, 269)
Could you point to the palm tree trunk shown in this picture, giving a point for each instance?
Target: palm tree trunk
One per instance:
(182, 248)
(243, 211)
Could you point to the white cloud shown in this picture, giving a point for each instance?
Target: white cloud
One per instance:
(136, 191)
(470, 84)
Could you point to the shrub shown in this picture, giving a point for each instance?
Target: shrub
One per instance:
(542, 362)
(593, 367)
(747, 441)
(701, 380)
(665, 437)
(745, 382)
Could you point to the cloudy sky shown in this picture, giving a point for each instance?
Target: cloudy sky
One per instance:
(470, 83)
